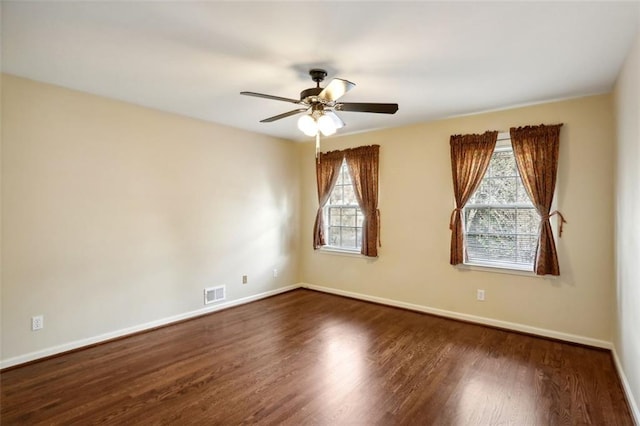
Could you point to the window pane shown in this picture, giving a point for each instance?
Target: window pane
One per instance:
(334, 236)
(505, 248)
(359, 218)
(528, 221)
(503, 221)
(336, 196)
(334, 216)
(477, 220)
(490, 220)
(349, 237)
(481, 196)
(493, 248)
(521, 193)
(349, 196)
(340, 180)
(503, 190)
(503, 164)
(346, 177)
(526, 248)
(348, 217)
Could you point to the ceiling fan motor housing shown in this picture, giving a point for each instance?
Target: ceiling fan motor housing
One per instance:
(310, 95)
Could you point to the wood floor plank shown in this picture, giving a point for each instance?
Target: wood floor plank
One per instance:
(308, 358)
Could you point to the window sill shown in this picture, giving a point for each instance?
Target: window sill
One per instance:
(500, 269)
(340, 252)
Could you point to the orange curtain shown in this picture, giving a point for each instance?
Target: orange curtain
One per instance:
(536, 151)
(327, 170)
(363, 168)
(470, 157)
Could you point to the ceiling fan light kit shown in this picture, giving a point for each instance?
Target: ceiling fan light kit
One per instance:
(308, 125)
(319, 105)
(318, 121)
(326, 126)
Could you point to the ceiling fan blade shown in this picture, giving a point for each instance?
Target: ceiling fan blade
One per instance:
(283, 115)
(275, 98)
(336, 120)
(335, 89)
(367, 107)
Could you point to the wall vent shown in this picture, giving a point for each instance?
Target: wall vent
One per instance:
(214, 294)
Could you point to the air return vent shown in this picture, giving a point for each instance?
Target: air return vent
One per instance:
(214, 294)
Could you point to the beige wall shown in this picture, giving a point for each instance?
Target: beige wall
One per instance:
(627, 233)
(115, 215)
(416, 202)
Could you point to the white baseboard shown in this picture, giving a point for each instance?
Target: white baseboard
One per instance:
(32, 356)
(466, 317)
(390, 302)
(633, 405)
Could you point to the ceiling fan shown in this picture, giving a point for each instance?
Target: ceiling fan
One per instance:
(320, 105)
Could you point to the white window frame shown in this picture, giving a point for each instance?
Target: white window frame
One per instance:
(327, 224)
(504, 144)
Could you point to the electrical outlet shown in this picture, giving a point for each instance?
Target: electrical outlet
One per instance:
(245, 279)
(480, 295)
(37, 323)
(275, 273)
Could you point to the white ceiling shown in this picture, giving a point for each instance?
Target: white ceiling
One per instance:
(434, 59)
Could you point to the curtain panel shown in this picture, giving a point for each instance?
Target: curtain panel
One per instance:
(363, 168)
(470, 157)
(327, 170)
(536, 150)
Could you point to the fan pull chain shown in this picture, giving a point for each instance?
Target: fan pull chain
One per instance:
(317, 146)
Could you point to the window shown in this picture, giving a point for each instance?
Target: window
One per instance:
(500, 222)
(342, 215)
(348, 218)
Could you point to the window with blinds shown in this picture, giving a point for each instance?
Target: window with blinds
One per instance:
(500, 222)
(342, 215)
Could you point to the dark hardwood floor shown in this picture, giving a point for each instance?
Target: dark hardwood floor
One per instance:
(308, 358)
